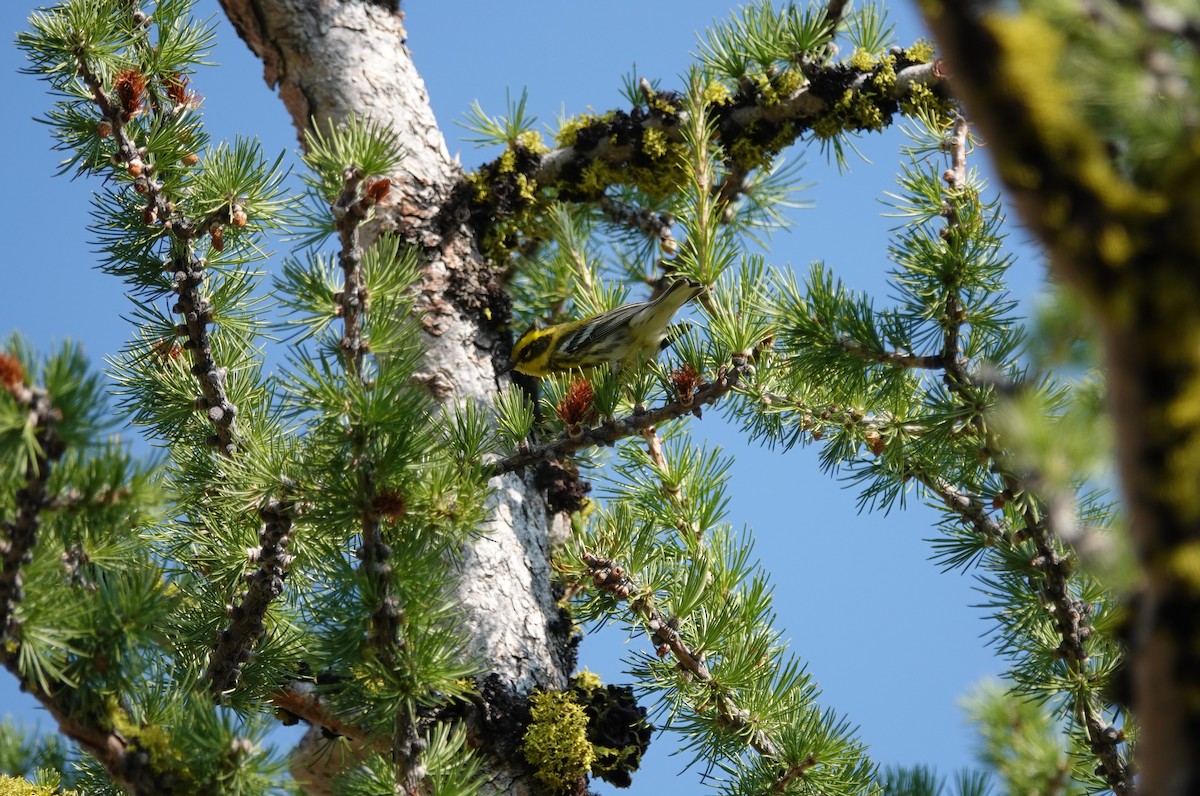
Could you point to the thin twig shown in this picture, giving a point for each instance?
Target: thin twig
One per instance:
(187, 270)
(302, 699)
(235, 643)
(91, 730)
(350, 209)
(20, 534)
(898, 359)
(608, 575)
(953, 313)
(971, 508)
(614, 430)
(654, 449)
(197, 313)
(1070, 614)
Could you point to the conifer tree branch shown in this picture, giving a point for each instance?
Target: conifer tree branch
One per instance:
(235, 643)
(971, 508)
(654, 449)
(91, 730)
(615, 579)
(1142, 293)
(792, 773)
(869, 423)
(739, 122)
(954, 316)
(302, 699)
(188, 270)
(115, 114)
(1070, 619)
(350, 209)
(20, 533)
(1054, 589)
(113, 118)
(139, 771)
(610, 432)
(197, 312)
(1069, 613)
(898, 359)
(411, 770)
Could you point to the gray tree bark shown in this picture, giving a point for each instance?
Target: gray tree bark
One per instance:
(333, 59)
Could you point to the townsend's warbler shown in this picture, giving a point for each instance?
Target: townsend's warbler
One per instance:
(614, 337)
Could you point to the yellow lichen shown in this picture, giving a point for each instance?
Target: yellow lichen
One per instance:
(594, 178)
(586, 680)
(479, 186)
(921, 99)
(654, 143)
(884, 78)
(745, 151)
(664, 178)
(1181, 414)
(852, 111)
(827, 126)
(154, 740)
(508, 162)
(532, 140)
(1029, 70)
(789, 81)
(662, 104)
(13, 786)
(1114, 245)
(751, 152)
(556, 743)
(526, 188)
(863, 61)
(767, 95)
(921, 52)
(568, 134)
(869, 117)
(717, 93)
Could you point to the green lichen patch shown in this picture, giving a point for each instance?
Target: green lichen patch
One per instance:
(13, 786)
(588, 729)
(556, 743)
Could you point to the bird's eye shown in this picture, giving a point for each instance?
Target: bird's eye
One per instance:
(534, 348)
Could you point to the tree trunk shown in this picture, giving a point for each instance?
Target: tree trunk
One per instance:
(331, 60)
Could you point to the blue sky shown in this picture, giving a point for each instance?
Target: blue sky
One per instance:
(892, 641)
